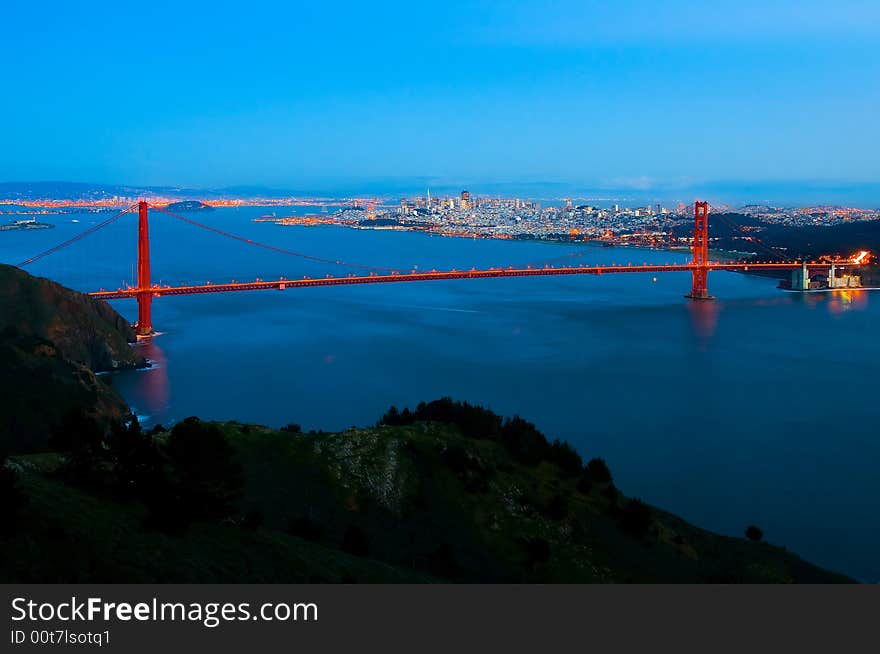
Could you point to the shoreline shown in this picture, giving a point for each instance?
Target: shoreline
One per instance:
(831, 290)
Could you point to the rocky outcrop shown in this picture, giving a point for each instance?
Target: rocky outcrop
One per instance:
(85, 330)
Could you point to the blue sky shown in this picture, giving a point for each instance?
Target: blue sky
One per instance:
(625, 94)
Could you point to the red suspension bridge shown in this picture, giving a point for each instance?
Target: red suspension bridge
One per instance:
(145, 290)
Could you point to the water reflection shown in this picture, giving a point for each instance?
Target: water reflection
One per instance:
(704, 320)
(834, 302)
(151, 385)
(841, 301)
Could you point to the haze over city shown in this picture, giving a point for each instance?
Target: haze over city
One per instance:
(657, 100)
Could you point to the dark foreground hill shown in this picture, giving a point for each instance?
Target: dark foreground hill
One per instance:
(414, 502)
(447, 492)
(52, 342)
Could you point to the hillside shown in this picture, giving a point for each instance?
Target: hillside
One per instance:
(85, 330)
(416, 502)
(66, 535)
(785, 241)
(426, 496)
(52, 342)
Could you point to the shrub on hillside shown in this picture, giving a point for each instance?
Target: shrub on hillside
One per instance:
(205, 473)
(469, 469)
(80, 438)
(611, 494)
(598, 471)
(472, 421)
(564, 456)
(754, 533)
(137, 462)
(524, 442)
(522, 439)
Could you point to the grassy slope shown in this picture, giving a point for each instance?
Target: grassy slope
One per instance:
(70, 536)
(396, 485)
(38, 386)
(422, 519)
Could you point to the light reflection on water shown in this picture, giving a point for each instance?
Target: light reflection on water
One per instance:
(150, 387)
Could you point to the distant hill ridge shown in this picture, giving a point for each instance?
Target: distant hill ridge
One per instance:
(189, 205)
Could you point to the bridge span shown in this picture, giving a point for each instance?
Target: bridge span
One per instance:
(439, 275)
(146, 290)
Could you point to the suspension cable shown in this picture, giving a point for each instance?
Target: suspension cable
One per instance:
(730, 222)
(273, 248)
(78, 237)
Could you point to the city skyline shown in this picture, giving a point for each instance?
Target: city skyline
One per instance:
(654, 101)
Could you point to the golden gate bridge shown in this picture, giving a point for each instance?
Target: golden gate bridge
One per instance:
(145, 290)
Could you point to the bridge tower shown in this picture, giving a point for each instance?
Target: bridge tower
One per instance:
(699, 283)
(144, 294)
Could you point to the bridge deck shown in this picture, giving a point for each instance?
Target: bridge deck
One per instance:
(306, 282)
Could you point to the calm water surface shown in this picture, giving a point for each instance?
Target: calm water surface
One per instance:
(758, 408)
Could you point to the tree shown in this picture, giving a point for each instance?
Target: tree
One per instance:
(78, 434)
(611, 493)
(472, 421)
(81, 439)
(206, 475)
(754, 534)
(565, 456)
(598, 471)
(524, 442)
(391, 417)
(137, 461)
